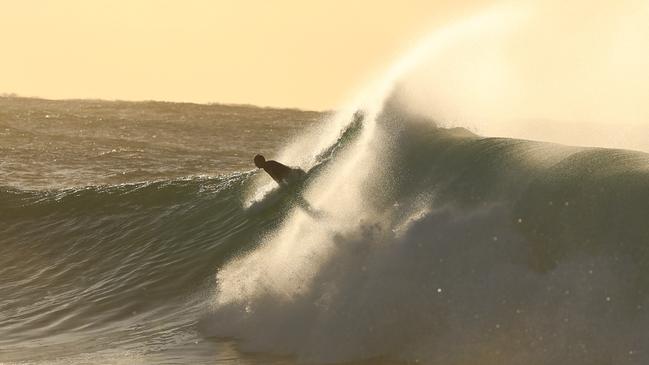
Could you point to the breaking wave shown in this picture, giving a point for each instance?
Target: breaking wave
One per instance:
(442, 246)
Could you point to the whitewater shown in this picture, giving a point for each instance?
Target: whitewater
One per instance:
(445, 223)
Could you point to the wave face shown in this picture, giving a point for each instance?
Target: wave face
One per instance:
(440, 246)
(112, 263)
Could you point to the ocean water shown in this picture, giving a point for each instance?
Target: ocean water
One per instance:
(115, 218)
(139, 233)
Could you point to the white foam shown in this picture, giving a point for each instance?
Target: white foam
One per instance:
(409, 279)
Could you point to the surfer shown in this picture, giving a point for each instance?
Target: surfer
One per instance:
(278, 171)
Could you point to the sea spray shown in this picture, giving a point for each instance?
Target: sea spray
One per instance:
(442, 246)
(571, 73)
(441, 243)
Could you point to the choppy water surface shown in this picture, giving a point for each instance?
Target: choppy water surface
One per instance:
(46, 144)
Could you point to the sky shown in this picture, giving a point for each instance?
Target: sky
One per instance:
(304, 54)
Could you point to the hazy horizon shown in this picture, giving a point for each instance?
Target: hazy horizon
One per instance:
(285, 54)
(118, 100)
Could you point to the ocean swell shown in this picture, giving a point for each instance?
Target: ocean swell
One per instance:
(126, 263)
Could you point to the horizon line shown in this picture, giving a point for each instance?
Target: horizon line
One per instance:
(8, 95)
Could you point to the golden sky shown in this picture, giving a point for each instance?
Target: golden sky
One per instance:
(306, 54)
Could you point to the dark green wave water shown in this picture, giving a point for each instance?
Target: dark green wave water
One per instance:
(100, 259)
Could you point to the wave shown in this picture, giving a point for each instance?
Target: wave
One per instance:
(125, 262)
(441, 246)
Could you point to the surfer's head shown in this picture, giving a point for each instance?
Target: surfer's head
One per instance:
(260, 161)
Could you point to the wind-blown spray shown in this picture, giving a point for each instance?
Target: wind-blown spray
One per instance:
(437, 245)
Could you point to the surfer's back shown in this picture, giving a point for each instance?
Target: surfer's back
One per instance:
(278, 171)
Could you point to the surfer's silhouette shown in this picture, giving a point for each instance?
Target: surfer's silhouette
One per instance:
(286, 176)
(278, 171)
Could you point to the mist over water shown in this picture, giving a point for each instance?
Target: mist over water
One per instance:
(572, 73)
